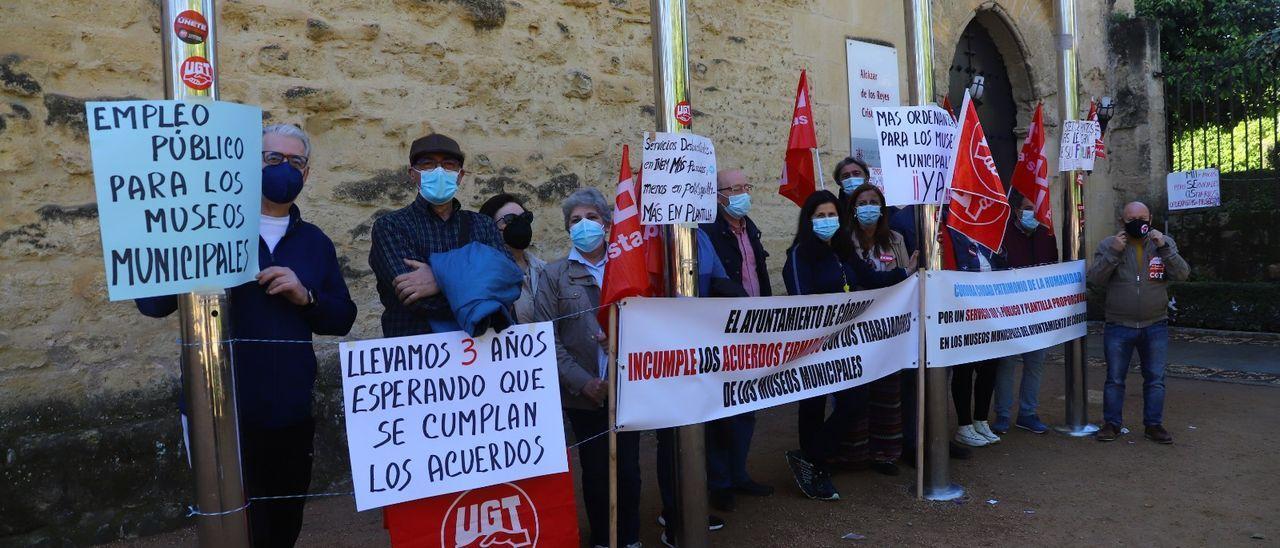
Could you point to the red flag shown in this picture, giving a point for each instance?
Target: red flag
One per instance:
(1031, 177)
(946, 105)
(978, 206)
(1100, 149)
(626, 274)
(798, 179)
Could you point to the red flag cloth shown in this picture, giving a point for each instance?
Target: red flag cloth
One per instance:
(945, 245)
(798, 179)
(979, 208)
(626, 274)
(1031, 177)
(537, 511)
(946, 105)
(1100, 149)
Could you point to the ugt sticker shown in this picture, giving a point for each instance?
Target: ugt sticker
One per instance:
(196, 73)
(500, 515)
(684, 113)
(191, 27)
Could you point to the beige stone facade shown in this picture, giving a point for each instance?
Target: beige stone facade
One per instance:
(541, 94)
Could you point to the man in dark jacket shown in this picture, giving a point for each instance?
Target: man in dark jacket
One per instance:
(1135, 267)
(1026, 243)
(434, 223)
(299, 292)
(737, 243)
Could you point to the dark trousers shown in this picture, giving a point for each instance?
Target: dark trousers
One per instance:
(973, 384)
(821, 434)
(909, 379)
(593, 458)
(728, 442)
(277, 462)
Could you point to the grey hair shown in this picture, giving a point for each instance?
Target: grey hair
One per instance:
(586, 197)
(290, 130)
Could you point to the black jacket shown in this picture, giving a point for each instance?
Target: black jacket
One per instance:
(726, 245)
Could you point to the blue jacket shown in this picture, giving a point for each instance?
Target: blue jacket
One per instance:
(481, 284)
(903, 220)
(274, 380)
(967, 252)
(813, 268)
(725, 245)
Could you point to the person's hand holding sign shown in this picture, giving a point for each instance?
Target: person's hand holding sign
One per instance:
(416, 284)
(280, 280)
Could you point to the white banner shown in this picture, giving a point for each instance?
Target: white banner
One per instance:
(686, 361)
(873, 83)
(917, 153)
(974, 316)
(678, 179)
(1079, 144)
(1192, 189)
(435, 414)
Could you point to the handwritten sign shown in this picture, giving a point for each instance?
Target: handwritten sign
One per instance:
(678, 179)
(441, 413)
(873, 83)
(1079, 144)
(917, 153)
(179, 190)
(1192, 189)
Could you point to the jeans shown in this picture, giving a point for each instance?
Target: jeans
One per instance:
(728, 442)
(1152, 343)
(1028, 391)
(593, 457)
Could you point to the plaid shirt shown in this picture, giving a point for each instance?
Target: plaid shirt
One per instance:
(415, 232)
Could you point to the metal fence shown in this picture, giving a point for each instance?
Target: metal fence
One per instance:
(1236, 131)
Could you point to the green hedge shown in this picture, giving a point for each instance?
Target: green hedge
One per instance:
(1234, 306)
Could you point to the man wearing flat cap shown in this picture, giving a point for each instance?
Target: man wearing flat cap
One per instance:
(434, 223)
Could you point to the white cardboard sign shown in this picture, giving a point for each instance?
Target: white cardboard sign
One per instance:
(678, 179)
(1079, 144)
(1192, 189)
(917, 153)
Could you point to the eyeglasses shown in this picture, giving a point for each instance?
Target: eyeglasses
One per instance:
(427, 164)
(738, 189)
(507, 219)
(272, 158)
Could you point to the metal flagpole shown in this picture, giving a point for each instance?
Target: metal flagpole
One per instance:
(932, 449)
(1077, 412)
(673, 114)
(208, 381)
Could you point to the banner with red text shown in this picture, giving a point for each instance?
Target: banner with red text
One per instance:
(973, 316)
(686, 361)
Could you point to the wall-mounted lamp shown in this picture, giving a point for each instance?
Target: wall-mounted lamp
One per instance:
(1106, 107)
(977, 87)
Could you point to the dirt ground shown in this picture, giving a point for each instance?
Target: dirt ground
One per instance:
(1218, 485)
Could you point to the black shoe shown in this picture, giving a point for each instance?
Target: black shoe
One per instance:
(886, 468)
(753, 489)
(960, 452)
(721, 499)
(1158, 434)
(714, 523)
(812, 479)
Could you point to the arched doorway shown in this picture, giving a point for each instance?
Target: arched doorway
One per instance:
(978, 55)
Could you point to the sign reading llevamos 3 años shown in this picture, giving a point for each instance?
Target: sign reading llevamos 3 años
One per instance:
(973, 316)
(685, 361)
(179, 190)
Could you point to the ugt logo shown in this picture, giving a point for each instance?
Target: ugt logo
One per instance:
(499, 516)
(684, 113)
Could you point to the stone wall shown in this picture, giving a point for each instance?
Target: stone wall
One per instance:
(541, 94)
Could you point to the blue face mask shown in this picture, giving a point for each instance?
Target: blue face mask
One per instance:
(1028, 220)
(850, 183)
(825, 227)
(281, 183)
(868, 214)
(438, 185)
(739, 205)
(587, 235)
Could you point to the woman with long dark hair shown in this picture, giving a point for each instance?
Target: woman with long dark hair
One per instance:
(821, 260)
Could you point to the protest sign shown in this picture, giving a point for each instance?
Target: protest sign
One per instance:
(685, 361)
(531, 512)
(434, 414)
(1192, 189)
(917, 153)
(678, 179)
(873, 83)
(973, 316)
(179, 193)
(1079, 144)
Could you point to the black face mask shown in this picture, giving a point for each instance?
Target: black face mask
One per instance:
(1137, 228)
(519, 231)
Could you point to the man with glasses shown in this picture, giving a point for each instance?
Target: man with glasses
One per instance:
(434, 223)
(736, 240)
(298, 293)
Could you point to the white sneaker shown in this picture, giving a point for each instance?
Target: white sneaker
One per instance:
(965, 435)
(983, 428)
